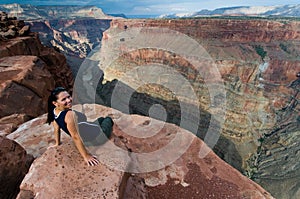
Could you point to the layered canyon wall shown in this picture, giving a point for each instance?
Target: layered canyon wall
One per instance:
(258, 61)
(75, 38)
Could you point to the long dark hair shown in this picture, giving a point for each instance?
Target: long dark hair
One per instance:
(52, 98)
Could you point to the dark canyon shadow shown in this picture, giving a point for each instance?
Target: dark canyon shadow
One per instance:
(140, 103)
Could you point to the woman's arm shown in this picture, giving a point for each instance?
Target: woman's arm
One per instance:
(71, 122)
(56, 133)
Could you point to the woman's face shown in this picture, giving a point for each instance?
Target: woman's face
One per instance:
(64, 101)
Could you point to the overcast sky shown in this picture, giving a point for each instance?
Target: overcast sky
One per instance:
(130, 7)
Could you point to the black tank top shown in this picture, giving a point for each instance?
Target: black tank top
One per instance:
(60, 119)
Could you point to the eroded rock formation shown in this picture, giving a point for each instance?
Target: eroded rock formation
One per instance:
(11, 27)
(28, 71)
(75, 38)
(44, 12)
(71, 30)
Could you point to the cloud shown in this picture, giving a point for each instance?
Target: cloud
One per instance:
(169, 8)
(154, 6)
(193, 6)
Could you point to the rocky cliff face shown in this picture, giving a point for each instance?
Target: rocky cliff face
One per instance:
(28, 71)
(258, 62)
(30, 12)
(75, 38)
(72, 30)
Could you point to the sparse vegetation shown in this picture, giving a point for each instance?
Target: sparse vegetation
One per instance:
(284, 47)
(260, 51)
(261, 139)
(252, 162)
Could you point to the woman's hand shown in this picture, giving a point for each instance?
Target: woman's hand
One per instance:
(91, 160)
(53, 145)
(71, 122)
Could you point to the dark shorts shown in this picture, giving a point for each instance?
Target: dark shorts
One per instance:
(97, 132)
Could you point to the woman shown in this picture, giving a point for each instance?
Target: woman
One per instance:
(62, 117)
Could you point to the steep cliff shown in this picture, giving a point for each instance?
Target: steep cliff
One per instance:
(72, 30)
(258, 63)
(28, 71)
(75, 38)
(30, 12)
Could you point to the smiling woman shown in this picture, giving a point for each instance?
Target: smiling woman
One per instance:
(62, 117)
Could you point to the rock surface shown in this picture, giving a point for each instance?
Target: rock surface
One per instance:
(72, 30)
(31, 46)
(188, 174)
(74, 38)
(25, 79)
(10, 123)
(28, 71)
(277, 163)
(10, 27)
(35, 136)
(65, 175)
(14, 165)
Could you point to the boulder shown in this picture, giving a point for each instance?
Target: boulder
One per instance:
(61, 173)
(25, 82)
(14, 165)
(31, 46)
(35, 136)
(10, 123)
(28, 70)
(24, 31)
